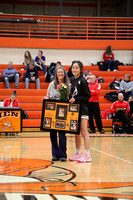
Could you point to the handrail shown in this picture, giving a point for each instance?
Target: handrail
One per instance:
(85, 28)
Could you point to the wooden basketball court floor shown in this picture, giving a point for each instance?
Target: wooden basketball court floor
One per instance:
(27, 173)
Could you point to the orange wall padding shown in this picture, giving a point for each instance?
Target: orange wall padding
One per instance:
(64, 43)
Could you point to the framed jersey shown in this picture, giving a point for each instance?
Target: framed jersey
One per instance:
(60, 116)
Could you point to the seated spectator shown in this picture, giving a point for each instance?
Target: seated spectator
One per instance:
(52, 70)
(108, 58)
(32, 76)
(130, 101)
(27, 59)
(87, 75)
(10, 75)
(126, 87)
(121, 111)
(40, 62)
(12, 101)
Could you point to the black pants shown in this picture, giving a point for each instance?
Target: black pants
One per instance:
(123, 118)
(95, 110)
(58, 149)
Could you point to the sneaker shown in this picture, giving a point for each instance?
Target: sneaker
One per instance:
(75, 157)
(63, 159)
(102, 131)
(55, 159)
(108, 70)
(91, 131)
(85, 158)
(115, 70)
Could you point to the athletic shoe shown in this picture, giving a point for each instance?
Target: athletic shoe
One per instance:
(85, 158)
(55, 159)
(75, 157)
(102, 131)
(63, 159)
(91, 131)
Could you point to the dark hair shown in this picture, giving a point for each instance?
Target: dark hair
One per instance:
(41, 51)
(109, 50)
(80, 64)
(58, 62)
(14, 93)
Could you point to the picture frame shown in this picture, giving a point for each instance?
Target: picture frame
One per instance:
(60, 116)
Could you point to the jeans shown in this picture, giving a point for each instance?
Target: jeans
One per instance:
(44, 68)
(27, 80)
(8, 79)
(111, 65)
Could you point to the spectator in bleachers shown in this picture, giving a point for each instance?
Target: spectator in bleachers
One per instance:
(52, 70)
(121, 111)
(40, 62)
(108, 57)
(87, 75)
(126, 87)
(58, 149)
(27, 59)
(94, 108)
(32, 76)
(10, 75)
(12, 101)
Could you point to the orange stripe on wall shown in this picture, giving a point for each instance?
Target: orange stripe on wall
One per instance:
(64, 43)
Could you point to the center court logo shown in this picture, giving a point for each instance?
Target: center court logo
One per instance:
(17, 180)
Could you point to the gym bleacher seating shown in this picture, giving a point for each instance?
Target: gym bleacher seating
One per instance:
(31, 99)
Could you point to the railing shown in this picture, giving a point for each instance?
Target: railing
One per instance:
(23, 26)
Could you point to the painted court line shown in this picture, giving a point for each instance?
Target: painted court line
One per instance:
(112, 155)
(108, 154)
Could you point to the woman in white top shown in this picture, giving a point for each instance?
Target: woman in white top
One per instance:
(58, 149)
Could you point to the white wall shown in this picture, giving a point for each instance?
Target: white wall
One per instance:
(65, 56)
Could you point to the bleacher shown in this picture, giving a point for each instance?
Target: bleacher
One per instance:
(31, 99)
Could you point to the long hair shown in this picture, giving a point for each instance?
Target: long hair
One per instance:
(27, 58)
(66, 79)
(109, 50)
(80, 64)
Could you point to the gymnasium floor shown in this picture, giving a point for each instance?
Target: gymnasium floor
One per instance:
(27, 173)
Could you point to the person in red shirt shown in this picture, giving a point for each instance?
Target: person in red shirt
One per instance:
(108, 58)
(11, 102)
(121, 111)
(94, 108)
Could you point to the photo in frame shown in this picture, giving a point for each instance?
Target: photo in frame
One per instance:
(48, 122)
(73, 125)
(60, 124)
(73, 108)
(61, 112)
(60, 116)
(50, 106)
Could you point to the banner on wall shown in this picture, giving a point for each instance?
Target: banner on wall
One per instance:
(10, 119)
(60, 116)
